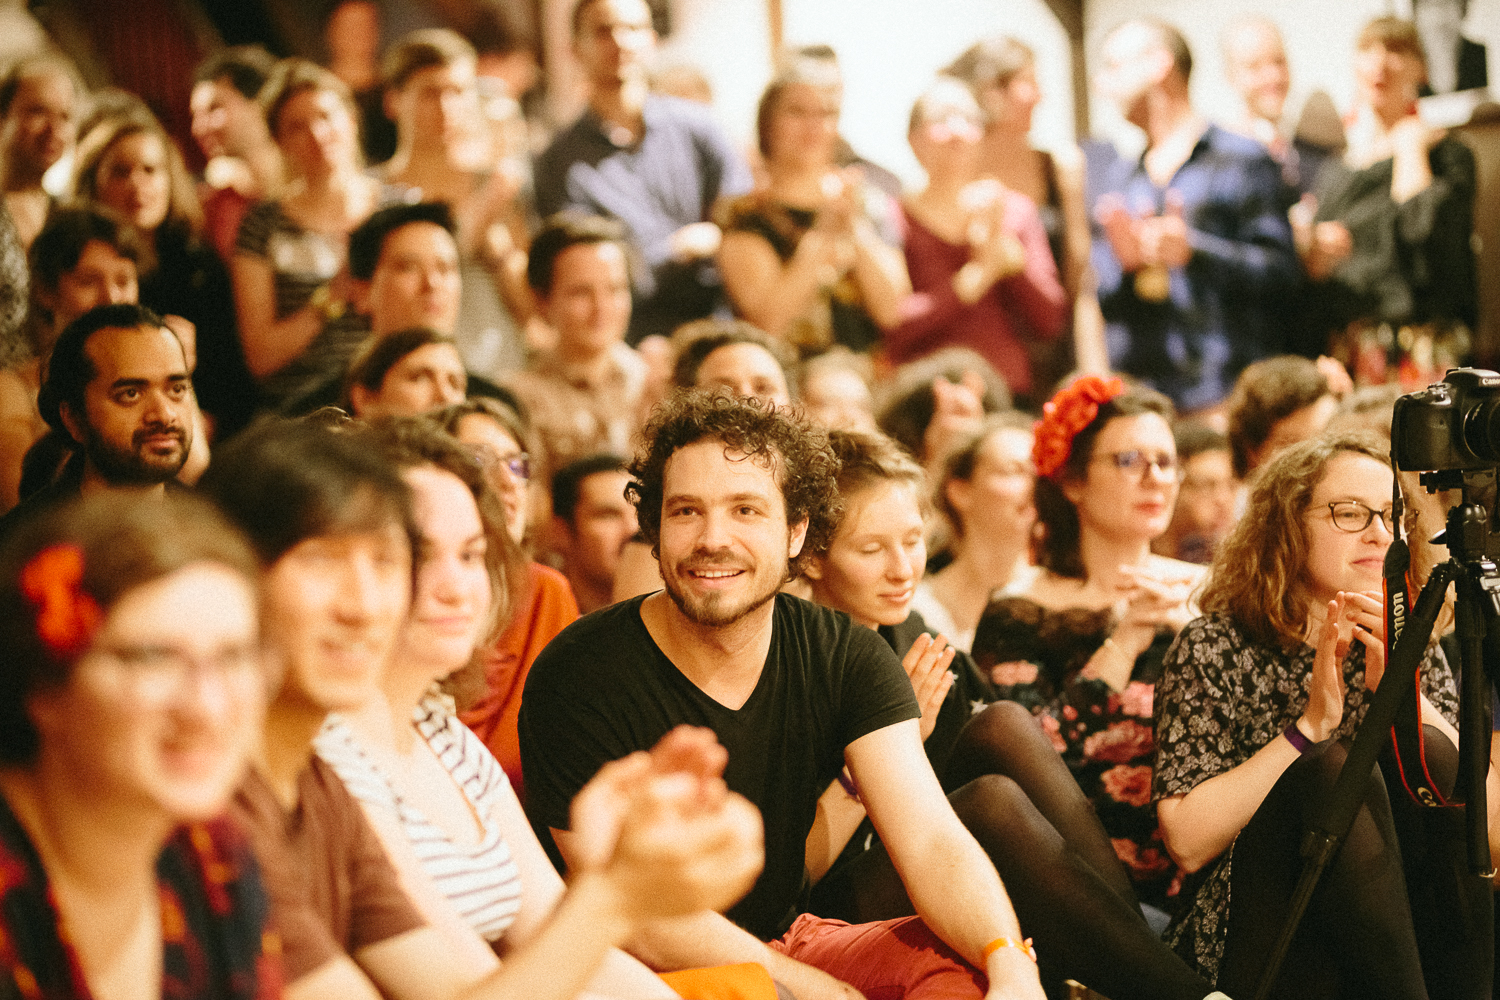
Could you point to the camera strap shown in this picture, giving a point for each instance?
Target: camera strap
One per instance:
(1406, 731)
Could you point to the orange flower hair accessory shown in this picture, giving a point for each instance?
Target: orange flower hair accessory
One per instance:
(66, 616)
(1069, 411)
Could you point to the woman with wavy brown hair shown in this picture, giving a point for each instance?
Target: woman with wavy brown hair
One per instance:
(1252, 710)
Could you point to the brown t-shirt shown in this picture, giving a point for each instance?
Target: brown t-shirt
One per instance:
(333, 890)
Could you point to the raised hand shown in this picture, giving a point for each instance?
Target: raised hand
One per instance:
(1325, 696)
(927, 663)
(664, 830)
(1364, 616)
(1122, 229)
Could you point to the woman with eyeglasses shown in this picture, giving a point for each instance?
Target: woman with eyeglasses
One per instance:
(1080, 643)
(131, 697)
(542, 601)
(1254, 708)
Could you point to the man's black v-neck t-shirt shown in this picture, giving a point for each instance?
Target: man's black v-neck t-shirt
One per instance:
(603, 689)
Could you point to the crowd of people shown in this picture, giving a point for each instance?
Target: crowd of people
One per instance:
(487, 575)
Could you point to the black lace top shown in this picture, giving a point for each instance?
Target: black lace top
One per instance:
(1035, 656)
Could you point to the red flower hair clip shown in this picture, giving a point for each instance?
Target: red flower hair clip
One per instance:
(66, 616)
(1069, 411)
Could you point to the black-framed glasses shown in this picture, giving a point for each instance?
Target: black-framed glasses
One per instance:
(1354, 517)
(1138, 462)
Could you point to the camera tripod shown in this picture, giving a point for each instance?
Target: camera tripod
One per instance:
(1468, 538)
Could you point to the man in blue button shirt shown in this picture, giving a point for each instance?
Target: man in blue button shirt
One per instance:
(657, 164)
(1192, 250)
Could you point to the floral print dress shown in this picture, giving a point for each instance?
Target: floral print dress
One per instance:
(1035, 656)
(1222, 696)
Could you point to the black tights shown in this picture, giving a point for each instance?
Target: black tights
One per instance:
(1010, 788)
(1363, 934)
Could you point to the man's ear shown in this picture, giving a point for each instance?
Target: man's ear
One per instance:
(72, 422)
(361, 296)
(798, 536)
(959, 492)
(360, 399)
(388, 101)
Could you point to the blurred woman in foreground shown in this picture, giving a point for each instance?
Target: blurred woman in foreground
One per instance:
(132, 695)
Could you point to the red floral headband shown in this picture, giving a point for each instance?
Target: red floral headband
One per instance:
(1069, 411)
(66, 616)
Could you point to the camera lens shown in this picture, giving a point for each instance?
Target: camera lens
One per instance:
(1482, 430)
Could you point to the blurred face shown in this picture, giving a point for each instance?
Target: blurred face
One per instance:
(998, 496)
(1131, 62)
(101, 277)
(946, 143)
(1344, 560)
(1205, 501)
(839, 399)
(138, 410)
(615, 41)
(133, 179)
(745, 370)
(333, 607)
(427, 379)
(876, 561)
(1386, 81)
(161, 712)
(804, 126)
(500, 456)
(416, 281)
(1125, 503)
(1010, 107)
(1299, 425)
(603, 522)
(225, 121)
(438, 106)
(316, 134)
(1257, 69)
(589, 305)
(725, 543)
(451, 603)
(40, 126)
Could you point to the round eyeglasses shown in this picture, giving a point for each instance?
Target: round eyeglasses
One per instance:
(1354, 517)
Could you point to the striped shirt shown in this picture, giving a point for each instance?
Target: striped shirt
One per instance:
(480, 880)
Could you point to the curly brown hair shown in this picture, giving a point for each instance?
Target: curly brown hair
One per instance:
(1257, 574)
(797, 452)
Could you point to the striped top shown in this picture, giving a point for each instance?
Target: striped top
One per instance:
(480, 880)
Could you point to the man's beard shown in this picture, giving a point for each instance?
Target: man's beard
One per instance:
(714, 610)
(134, 466)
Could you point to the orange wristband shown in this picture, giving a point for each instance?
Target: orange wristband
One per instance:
(1005, 942)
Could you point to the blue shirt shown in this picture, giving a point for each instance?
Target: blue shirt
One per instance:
(670, 178)
(1225, 307)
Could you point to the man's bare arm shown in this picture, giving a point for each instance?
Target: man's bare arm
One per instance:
(946, 873)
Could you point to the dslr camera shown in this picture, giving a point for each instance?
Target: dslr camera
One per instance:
(1452, 424)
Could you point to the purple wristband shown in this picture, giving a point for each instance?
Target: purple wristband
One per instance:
(1295, 738)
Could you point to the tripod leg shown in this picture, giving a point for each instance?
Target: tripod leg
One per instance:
(1356, 939)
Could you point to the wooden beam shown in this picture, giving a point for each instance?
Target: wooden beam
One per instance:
(1069, 14)
(777, 28)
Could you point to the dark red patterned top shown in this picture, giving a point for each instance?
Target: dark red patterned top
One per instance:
(213, 915)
